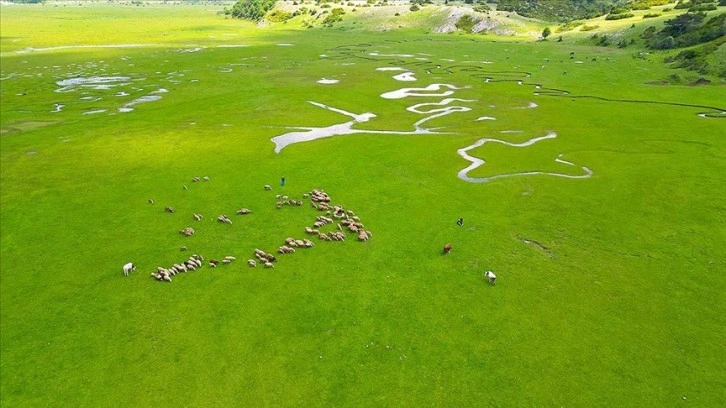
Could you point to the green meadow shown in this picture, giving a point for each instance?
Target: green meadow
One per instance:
(598, 203)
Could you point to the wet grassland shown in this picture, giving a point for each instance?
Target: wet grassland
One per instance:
(594, 197)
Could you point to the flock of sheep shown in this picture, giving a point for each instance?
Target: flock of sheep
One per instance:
(335, 218)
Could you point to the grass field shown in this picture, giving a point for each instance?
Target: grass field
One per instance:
(609, 290)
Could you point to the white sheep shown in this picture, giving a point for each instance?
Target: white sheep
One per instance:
(491, 277)
(128, 268)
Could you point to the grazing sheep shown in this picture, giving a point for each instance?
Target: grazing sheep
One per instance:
(447, 248)
(205, 178)
(269, 265)
(362, 236)
(230, 258)
(251, 263)
(324, 236)
(311, 231)
(128, 268)
(169, 209)
(197, 217)
(213, 263)
(191, 267)
(183, 248)
(184, 187)
(308, 243)
(224, 218)
(491, 277)
(195, 179)
(243, 211)
(226, 261)
(197, 257)
(267, 187)
(187, 232)
(306, 195)
(151, 201)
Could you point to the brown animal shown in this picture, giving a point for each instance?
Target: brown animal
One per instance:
(447, 248)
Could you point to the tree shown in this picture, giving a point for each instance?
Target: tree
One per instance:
(546, 32)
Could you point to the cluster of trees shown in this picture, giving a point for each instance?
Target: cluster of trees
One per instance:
(686, 30)
(252, 10)
(557, 10)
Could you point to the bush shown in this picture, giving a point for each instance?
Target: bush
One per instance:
(279, 16)
(651, 15)
(415, 7)
(589, 27)
(568, 26)
(648, 33)
(702, 7)
(335, 16)
(482, 8)
(605, 41)
(619, 16)
(466, 23)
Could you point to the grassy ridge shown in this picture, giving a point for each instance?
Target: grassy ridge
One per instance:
(622, 293)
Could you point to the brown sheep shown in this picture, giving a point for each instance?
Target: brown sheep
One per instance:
(447, 248)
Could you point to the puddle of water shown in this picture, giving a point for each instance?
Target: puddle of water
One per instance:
(405, 77)
(94, 82)
(95, 111)
(327, 81)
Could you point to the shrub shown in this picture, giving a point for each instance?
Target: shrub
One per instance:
(568, 26)
(466, 23)
(279, 16)
(414, 7)
(605, 41)
(589, 27)
(619, 16)
(651, 15)
(702, 7)
(335, 16)
(482, 8)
